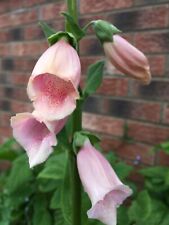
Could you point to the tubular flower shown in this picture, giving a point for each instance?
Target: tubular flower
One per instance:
(36, 137)
(104, 188)
(128, 59)
(54, 81)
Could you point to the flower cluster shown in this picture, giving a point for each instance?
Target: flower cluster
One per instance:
(53, 89)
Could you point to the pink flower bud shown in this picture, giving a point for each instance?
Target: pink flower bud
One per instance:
(128, 59)
(54, 81)
(101, 183)
(35, 136)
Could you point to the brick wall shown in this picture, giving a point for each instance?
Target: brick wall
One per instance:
(120, 103)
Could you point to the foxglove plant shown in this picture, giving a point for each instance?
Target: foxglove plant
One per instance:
(58, 99)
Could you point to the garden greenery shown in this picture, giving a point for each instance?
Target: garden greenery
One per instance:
(41, 196)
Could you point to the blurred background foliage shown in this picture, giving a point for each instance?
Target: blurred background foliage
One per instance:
(40, 196)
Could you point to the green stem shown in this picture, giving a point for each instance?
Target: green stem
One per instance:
(72, 9)
(77, 126)
(74, 176)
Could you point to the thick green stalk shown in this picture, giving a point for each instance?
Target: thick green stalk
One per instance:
(72, 9)
(77, 126)
(74, 176)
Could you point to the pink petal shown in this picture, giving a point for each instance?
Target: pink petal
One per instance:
(53, 98)
(61, 60)
(34, 137)
(55, 126)
(104, 188)
(128, 59)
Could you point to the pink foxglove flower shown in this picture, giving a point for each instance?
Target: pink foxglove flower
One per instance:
(54, 81)
(36, 137)
(128, 59)
(104, 188)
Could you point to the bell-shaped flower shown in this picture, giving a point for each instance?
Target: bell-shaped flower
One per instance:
(54, 81)
(128, 59)
(101, 183)
(35, 136)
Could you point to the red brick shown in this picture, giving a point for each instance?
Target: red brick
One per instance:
(5, 131)
(92, 6)
(4, 36)
(19, 107)
(156, 90)
(5, 119)
(153, 17)
(32, 2)
(129, 151)
(162, 158)
(87, 61)
(153, 42)
(157, 64)
(58, 24)
(20, 94)
(141, 18)
(166, 114)
(19, 78)
(24, 64)
(52, 10)
(4, 49)
(33, 33)
(146, 133)
(145, 111)
(90, 46)
(18, 18)
(16, 4)
(29, 48)
(114, 87)
(103, 124)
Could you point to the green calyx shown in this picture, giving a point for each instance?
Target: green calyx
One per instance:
(53, 36)
(104, 30)
(63, 35)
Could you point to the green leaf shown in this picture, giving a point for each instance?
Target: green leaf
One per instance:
(165, 220)
(140, 208)
(21, 175)
(81, 136)
(7, 151)
(73, 26)
(58, 218)
(123, 170)
(41, 214)
(155, 171)
(94, 78)
(112, 158)
(159, 210)
(122, 216)
(48, 31)
(56, 200)
(48, 185)
(54, 167)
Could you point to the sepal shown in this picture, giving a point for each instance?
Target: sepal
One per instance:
(73, 26)
(105, 30)
(81, 136)
(63, 35)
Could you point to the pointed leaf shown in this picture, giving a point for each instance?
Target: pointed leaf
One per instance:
(94, 78)
(41, 214)
(54, 167)
(20, 175)
(48, 31)
(74, 27)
